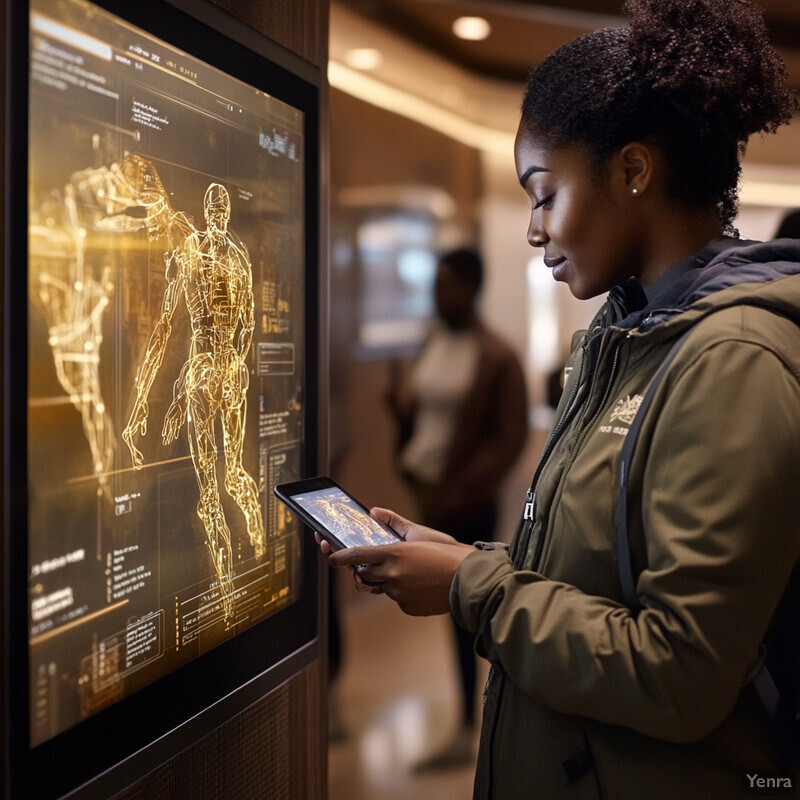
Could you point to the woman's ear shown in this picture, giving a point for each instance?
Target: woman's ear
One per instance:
(636, 166)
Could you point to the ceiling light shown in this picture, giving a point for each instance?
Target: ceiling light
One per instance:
(473, 28)
(364, 58)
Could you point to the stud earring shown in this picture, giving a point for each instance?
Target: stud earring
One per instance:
(634, 191)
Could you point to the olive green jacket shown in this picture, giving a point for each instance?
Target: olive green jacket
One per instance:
(587, 699)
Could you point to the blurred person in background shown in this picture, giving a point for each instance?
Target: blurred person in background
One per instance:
(462, 421)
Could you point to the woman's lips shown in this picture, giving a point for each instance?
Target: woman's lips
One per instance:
(558, 265)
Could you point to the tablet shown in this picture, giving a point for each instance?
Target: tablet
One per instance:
(334, 513)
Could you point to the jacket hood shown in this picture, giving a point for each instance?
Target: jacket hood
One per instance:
(727, 272)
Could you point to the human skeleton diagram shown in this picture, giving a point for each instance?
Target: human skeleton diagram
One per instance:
(72, 297)
(211, 270)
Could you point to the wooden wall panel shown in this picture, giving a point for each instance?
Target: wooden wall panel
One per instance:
(299, 25)
(274, 750)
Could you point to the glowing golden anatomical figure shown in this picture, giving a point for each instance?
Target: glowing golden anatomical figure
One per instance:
(70, 294)
(211, 270)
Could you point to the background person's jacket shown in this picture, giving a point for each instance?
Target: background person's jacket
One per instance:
(489, 434)
(586, 700)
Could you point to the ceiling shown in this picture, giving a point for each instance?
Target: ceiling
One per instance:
(523, 32)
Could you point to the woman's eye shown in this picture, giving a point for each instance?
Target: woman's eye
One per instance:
(545, 202)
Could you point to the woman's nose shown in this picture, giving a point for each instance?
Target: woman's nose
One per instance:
(536, 234)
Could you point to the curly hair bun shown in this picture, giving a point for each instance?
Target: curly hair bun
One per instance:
(713, 60)
(699, 77)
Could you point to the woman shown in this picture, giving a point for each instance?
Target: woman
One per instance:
(629, 149)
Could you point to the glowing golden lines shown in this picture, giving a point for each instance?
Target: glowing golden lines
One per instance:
(43, 637)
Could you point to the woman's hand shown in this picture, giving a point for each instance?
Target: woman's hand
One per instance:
(416, 573)
(410, 531)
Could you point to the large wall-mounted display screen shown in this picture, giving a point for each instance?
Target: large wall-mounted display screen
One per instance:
(166, 269)
(167, 330)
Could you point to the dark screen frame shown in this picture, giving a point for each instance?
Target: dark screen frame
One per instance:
(111, 750)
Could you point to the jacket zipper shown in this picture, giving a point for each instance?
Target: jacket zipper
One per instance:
(523, 540)
(530, 507)
(544, 534)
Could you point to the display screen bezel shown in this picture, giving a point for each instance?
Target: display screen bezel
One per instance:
(111, 749)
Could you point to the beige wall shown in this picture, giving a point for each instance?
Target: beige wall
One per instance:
(382, 160)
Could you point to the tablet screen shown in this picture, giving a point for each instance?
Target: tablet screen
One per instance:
(339, 513)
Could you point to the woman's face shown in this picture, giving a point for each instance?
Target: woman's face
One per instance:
(580, 218)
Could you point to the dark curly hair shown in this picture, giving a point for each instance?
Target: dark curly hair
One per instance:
(698, 77)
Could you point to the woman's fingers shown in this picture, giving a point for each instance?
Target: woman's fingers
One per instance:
(408, 530)
(364, 587)
(354, 556)
(397, 523)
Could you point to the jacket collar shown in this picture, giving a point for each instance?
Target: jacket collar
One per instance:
(724, 263)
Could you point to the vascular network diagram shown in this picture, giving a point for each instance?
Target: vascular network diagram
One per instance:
(165, 333)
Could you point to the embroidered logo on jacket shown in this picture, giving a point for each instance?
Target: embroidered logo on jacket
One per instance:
(624, 411)
(626, 408)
